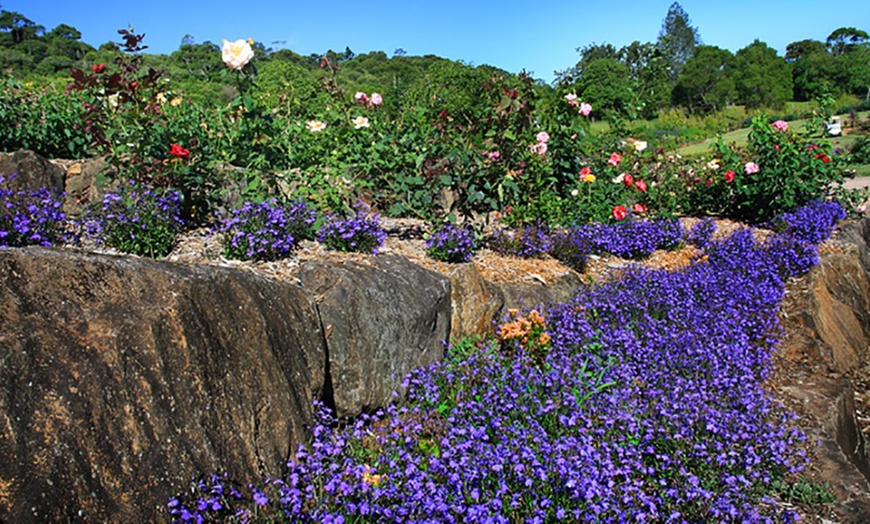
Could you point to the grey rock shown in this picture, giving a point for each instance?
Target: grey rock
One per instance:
(33, 171)
(382, 318)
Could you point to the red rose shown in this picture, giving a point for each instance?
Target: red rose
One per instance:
(823, 157)
(640, 185)
(639, 209)
(134, 85)
(628, 180)
(98, 68)
(180, 152)
(586, 171)
(729, 176)
(619, 213)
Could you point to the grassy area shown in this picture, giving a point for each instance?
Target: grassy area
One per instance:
(740, 136)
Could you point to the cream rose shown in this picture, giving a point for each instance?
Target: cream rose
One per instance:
(237, 54)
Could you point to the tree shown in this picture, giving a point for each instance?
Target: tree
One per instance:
(796, 50)
(677, 39)
(649, 72)
(607, 85)
(762, 76)
(846, 39)
(814, 74)
(706, 83)
(19, 27)
(588, 54)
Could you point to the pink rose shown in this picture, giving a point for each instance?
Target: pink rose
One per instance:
(361, 98)
(572, 99)
(615, 159)
(780, 125)
(639, 209)
(751, 167)
(640, 185)
(585, 109)
(539, 148)
(377, 99)
(628, 180)
(543, 137)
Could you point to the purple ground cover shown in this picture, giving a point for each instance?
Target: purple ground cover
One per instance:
(648, 407)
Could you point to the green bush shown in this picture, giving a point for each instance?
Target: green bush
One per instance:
(778, 171)
(43, 120)
(861, 150)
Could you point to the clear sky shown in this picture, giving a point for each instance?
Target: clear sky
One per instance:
(540, 37)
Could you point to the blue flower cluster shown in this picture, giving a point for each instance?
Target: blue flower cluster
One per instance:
(529, 241)
(811, 223)
(362, 234)
(267, 230)
(30, 217)
(649, 406)
(136, 219)
(451, 243)
(701, 234)
(634, 239)
(571, 247)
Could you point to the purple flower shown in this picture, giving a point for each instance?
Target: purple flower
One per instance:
(362, 234)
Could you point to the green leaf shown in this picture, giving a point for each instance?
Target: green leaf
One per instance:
(446, 180)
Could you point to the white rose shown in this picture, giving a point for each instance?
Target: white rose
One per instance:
(237, 54)
(360, 122)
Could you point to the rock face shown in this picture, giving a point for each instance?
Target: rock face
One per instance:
(34, 172)
(121, 378)
(840, 457)
(476, 303)
(381, 319)
(838, 310)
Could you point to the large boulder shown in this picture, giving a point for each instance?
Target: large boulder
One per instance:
(33, 172)
(382, 318)
(121, 378)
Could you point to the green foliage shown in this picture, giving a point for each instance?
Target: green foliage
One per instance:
(790, 171)
(42, 120)
(604, 84)
(861, 150)
(804, 491)
(706, 82)
(677, 38)
(762, 77)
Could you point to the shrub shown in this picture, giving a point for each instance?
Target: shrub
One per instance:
(778, 172)
(30, 217)
(267, 230)
(861, 150)
(137, 220)
(451, 243)
(361, 234)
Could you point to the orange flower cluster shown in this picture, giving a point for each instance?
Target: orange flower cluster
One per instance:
(529, 332)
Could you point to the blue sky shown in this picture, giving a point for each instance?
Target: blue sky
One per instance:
(540, 37)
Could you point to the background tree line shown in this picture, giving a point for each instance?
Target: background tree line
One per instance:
(631, 82)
